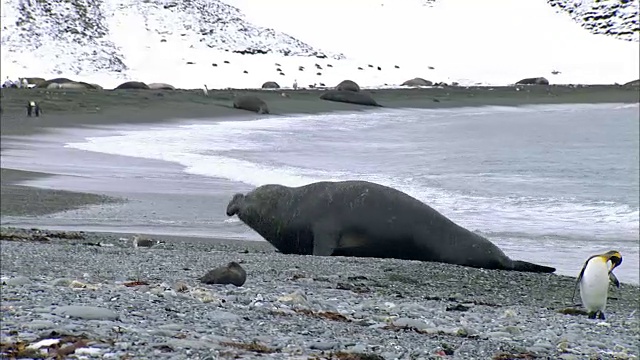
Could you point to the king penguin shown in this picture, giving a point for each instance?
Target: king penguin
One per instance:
(594, 282)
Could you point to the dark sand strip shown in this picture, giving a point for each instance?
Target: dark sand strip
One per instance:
(19, 200)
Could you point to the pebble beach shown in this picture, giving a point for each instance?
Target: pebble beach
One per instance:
(109, 299)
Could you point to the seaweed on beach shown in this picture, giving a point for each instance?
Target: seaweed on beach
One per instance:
(38, 235)
(340, 355)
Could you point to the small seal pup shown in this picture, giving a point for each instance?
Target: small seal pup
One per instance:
(594, 282)
(364, 219)
(232, 273)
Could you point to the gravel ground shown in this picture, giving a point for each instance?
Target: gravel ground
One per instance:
(96, 295)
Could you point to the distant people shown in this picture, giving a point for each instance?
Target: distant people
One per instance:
(25, 83)
(8, 83)
(295, 84)
(33, 108)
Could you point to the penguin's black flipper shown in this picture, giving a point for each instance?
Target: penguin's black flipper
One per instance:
(575, 288)
(614, 280)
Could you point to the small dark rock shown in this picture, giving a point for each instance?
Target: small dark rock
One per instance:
(232, 273)
(214, 64)
(359, 68)
(396, 66)
(370, 65)
(319, 73)
(329, 65)
(226, 62)
(379, 68)
(457, 307)
(190, 63)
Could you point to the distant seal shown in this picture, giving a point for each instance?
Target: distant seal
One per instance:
(417, 82)
(364, 219)
(136, 85)
(251, 103)
(270, 85)
(349, 97)
(232, 273)
(348, 85)
(533, 81)
(161, 86)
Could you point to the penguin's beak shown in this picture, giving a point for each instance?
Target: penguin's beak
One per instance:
(615, 257)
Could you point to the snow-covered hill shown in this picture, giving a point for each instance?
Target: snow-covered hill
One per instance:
(242, 43)
(84, 36)
(616, 18)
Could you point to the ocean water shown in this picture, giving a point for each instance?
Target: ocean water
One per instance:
(549, 184)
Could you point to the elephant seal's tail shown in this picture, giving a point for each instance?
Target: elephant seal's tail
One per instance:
(531, 267)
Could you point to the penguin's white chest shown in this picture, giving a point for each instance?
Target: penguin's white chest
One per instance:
(594, 285)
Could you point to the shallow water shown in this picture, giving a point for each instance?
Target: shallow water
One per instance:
(549, 184)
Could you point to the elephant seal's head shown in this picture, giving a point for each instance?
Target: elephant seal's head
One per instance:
(266, 211)
(261, 209)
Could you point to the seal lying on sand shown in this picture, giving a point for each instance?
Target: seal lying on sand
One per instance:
(251, 103)
(349, 97)
(364, 219)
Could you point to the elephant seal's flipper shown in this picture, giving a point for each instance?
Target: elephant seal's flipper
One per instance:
(519, 265)
(325, 239)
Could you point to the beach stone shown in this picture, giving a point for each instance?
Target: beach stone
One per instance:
(40, 325)
(417, 82)
(18, 281)
(232, 273)
(348, 85)
(533, 81)
(324, 346)
(411, 323)
(222, 316)
(86, 312)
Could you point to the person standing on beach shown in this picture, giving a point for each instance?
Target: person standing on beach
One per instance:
(32, 107)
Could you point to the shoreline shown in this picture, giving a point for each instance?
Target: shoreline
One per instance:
(95, 108)
(56, 208)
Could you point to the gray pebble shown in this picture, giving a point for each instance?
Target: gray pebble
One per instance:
(86, 312)
(18, 281)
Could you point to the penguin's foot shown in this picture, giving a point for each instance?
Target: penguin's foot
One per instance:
(592, 315)
(601, 315)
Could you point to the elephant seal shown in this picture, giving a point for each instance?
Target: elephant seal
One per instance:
(348, 85)
(133, 85)
(417, 82)
(533, 81)
(161, 86)
(251, 103)
(232, 273)
(271, 85)
(364, 219)
(349, 97)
